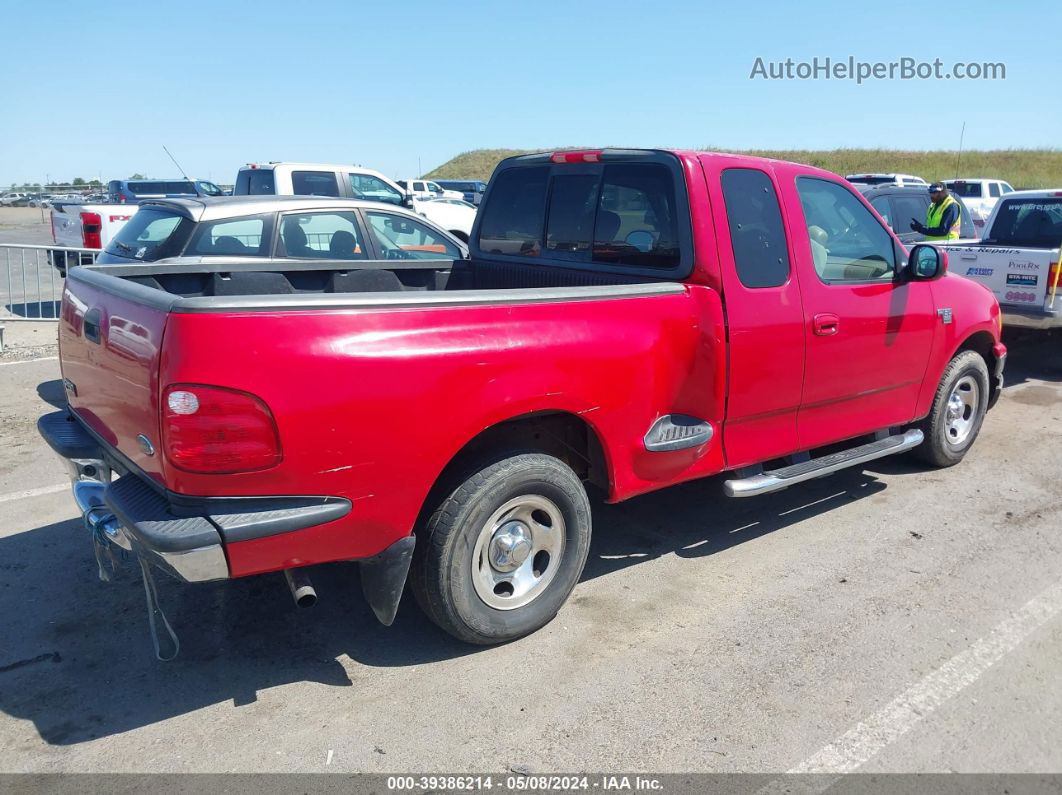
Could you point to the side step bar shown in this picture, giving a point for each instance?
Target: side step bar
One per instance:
(776, 479)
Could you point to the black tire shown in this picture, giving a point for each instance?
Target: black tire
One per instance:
(444, 574)
(941, 447)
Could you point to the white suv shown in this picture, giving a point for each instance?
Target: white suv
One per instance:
(355, 182)
(979, 195)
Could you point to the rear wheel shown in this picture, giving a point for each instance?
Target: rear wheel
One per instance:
(958, 411)
(499, 556)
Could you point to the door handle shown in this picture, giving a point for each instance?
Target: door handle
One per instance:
(826, 324)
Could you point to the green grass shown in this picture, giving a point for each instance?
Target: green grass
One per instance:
(1022, 168)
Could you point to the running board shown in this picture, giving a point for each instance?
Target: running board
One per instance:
(776, 479)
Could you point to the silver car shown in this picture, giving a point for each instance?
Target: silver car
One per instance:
(286, 229)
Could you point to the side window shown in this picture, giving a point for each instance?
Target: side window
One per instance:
(513, 219)
(636, 222)
(847, 242)
(881, 204)
(756, 232)
(331, 235)
(366, 186)
(1006, 187)
(401, 237)
(993, 189)
(241, 237)
(314, 183)
(907, 209)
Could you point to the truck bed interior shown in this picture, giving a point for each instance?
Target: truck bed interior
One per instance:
(251, 279)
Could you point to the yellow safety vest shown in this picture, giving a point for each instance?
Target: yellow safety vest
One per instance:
(936, 212)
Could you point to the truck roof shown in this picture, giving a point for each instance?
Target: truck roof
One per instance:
(210, 208)
(621, 152)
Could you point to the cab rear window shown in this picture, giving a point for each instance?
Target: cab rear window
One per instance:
(149, 235)
(622, 214)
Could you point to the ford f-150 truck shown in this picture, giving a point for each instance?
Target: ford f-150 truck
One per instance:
(1018, 258)
(627, 320)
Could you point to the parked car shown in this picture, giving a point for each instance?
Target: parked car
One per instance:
(426, 189)
(14, 199)
(899, 205)
(724, 314)
(130, 191)
(980, 195)
(323, 179)
(455, 215)
(885, 179)
(288, 229)
(1018, 257)
(471, 189)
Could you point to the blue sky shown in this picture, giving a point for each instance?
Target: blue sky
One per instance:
(96, 89)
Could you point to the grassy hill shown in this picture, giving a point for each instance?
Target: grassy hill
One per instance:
(1025, 168)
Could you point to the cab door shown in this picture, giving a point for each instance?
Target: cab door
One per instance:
(868, 336)
(763, 311)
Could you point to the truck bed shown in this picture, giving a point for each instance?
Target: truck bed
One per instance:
(342, 277)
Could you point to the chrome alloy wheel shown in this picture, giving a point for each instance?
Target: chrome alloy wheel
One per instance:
(961, 415)
(518, 552)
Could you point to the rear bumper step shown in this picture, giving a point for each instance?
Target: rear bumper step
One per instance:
(184, 535)
(776, 479)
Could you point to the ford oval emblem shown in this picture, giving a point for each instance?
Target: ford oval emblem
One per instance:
(145, 445)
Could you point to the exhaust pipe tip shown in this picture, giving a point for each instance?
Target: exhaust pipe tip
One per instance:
(302, 590)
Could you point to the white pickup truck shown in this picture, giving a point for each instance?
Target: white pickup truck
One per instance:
(85, 226)
(979, 195)
(1018, 258)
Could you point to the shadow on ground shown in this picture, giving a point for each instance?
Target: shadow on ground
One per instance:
(76, 659)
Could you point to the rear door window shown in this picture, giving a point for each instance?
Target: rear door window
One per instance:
(757, 236)
(400, 237)
(239, 237)
(150, 235)
(325, 235)
(993, 189)
(314, 183)
(907, 209)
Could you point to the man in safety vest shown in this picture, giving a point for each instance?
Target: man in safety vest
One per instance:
(942, 217)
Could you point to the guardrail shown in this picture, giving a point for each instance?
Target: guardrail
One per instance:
(31, 279)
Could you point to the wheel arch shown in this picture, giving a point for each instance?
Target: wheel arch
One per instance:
(558, 433)
(982, 342)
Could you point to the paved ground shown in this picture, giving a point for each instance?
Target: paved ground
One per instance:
(888, 619)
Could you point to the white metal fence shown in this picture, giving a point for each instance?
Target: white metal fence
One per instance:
(31, 279)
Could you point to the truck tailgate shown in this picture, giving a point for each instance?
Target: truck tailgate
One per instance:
(109, 351)
(1018, 277)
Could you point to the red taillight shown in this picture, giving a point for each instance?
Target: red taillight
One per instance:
(576, 157)
(1054, 276)
(219, 431)
(91, 225)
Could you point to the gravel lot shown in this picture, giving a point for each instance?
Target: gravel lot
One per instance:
(888, 619)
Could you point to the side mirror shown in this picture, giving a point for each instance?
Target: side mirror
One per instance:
(927, 263)
(408, 201)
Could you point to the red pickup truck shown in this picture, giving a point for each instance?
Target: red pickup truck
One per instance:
(626, 319)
